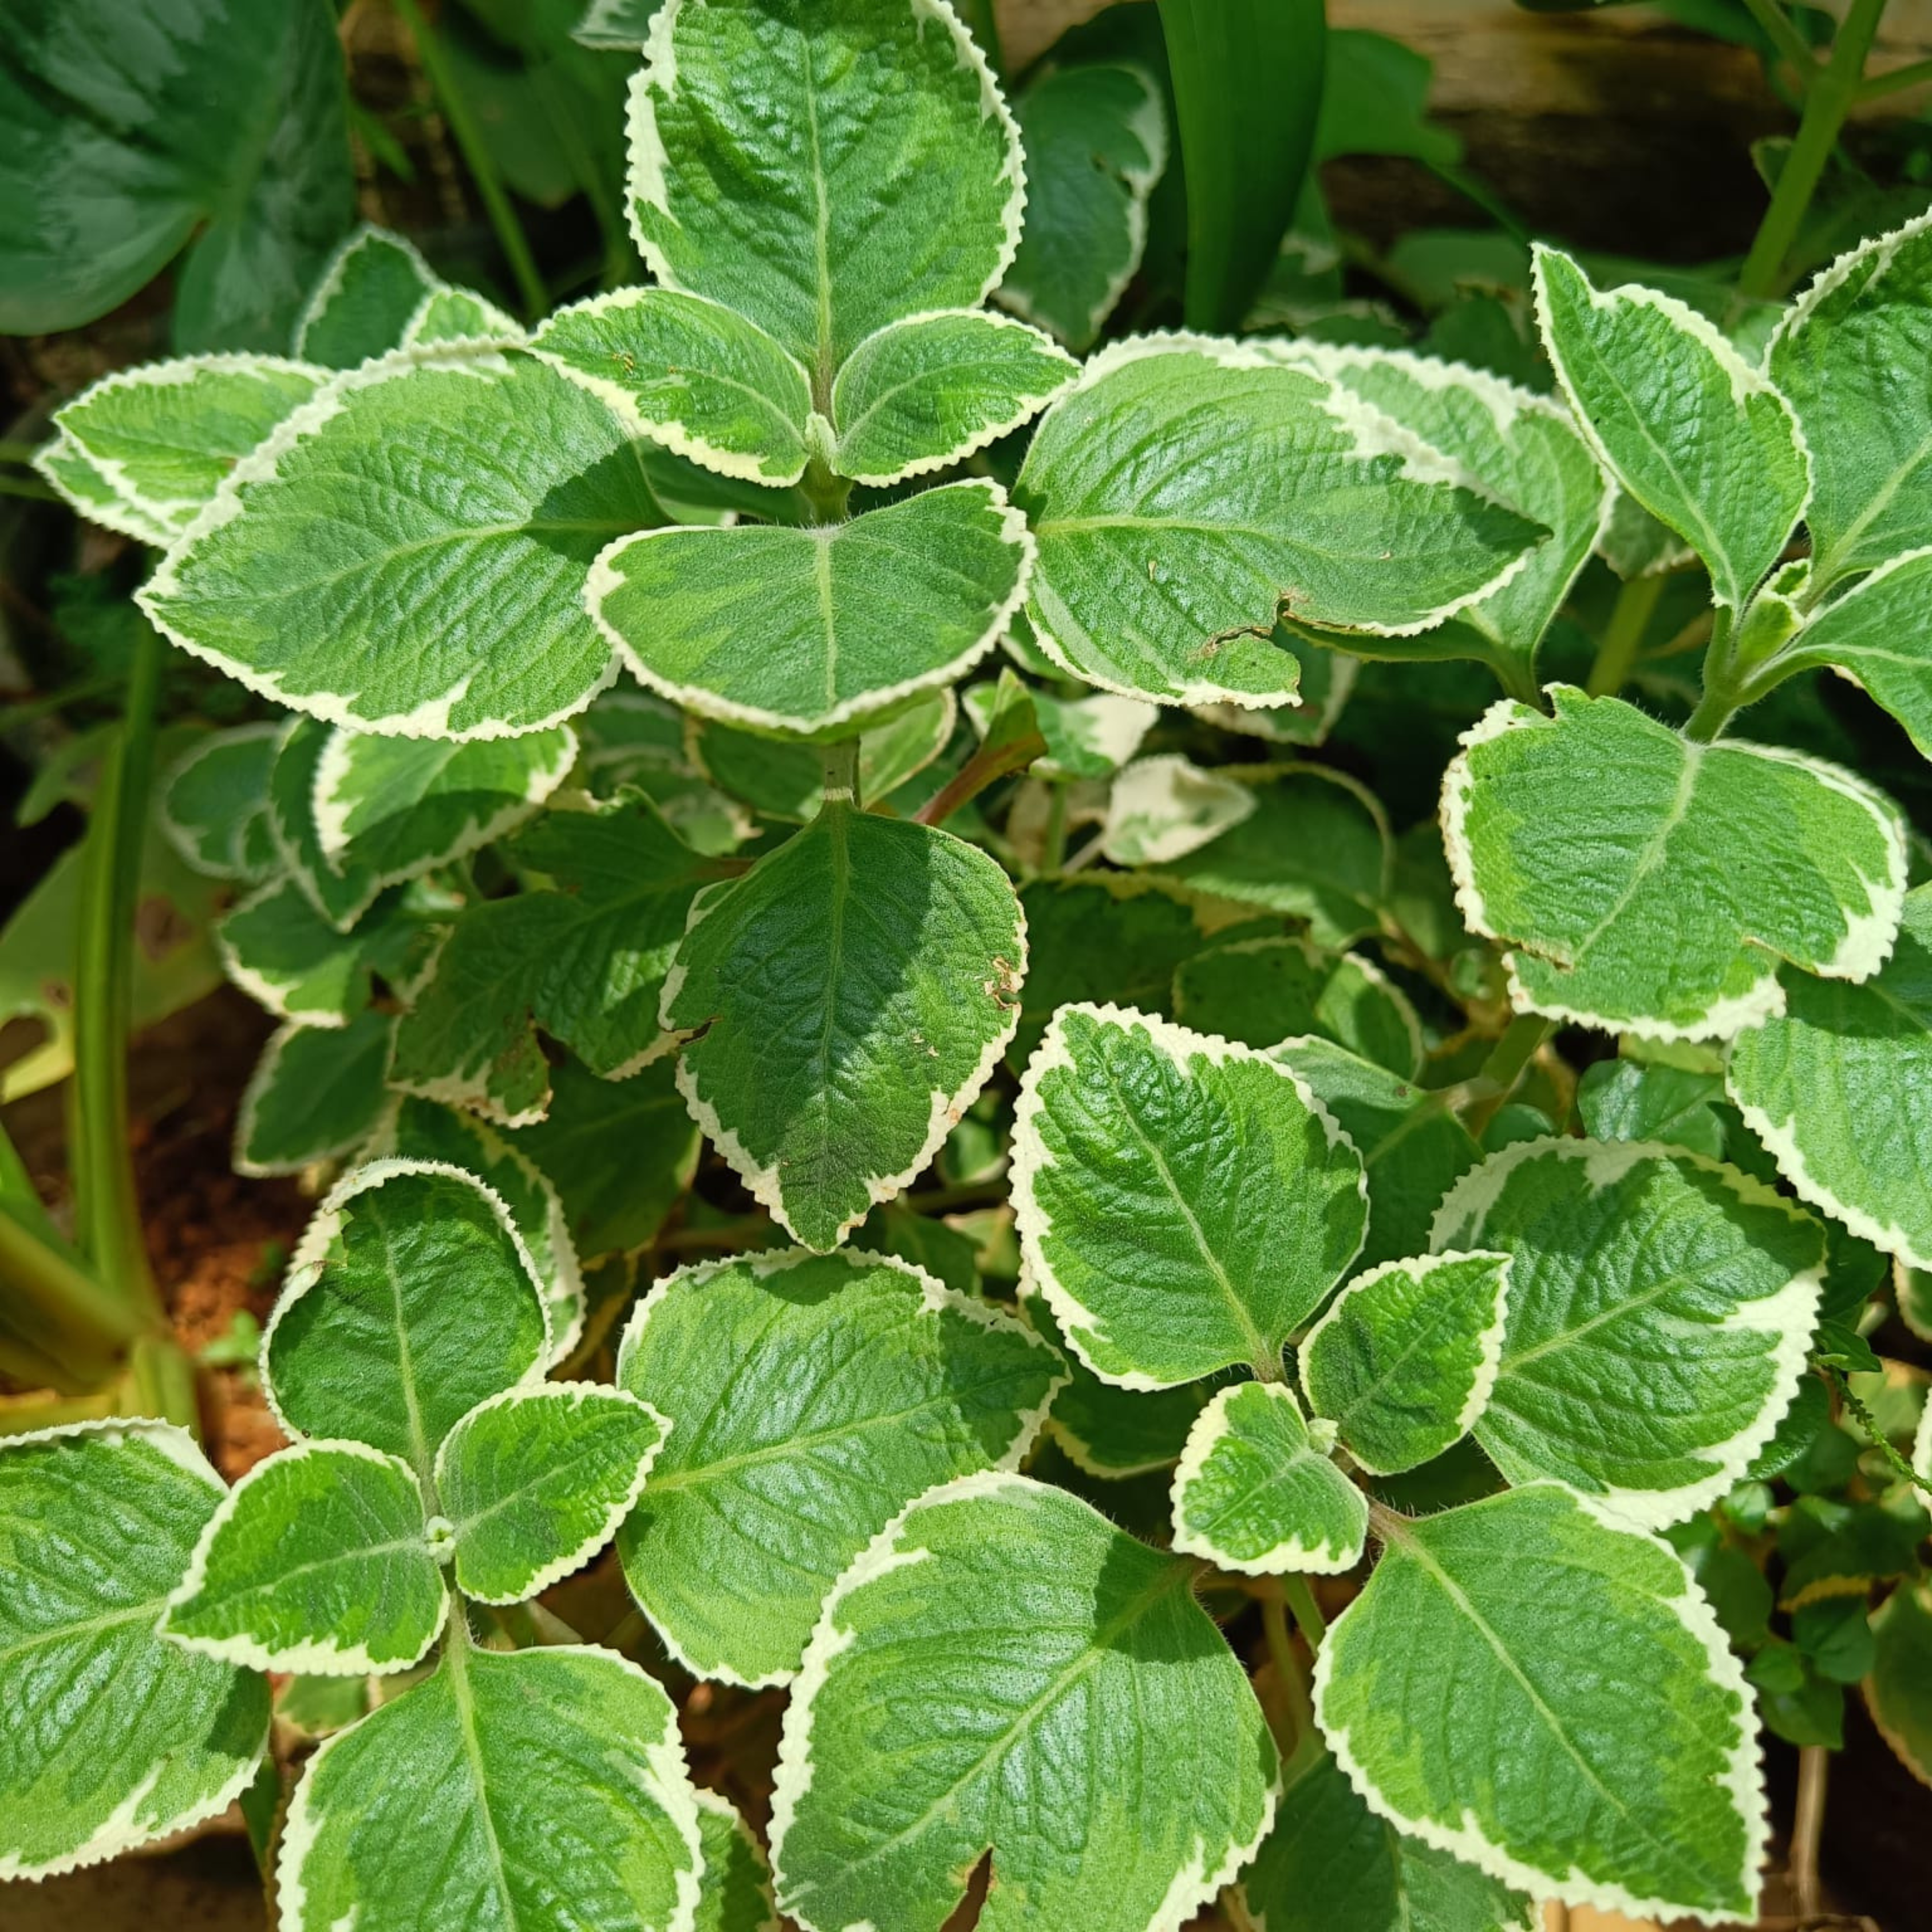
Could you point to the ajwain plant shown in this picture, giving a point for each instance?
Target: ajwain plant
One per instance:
(628, 795)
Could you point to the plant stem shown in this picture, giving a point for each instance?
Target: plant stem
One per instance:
(1289, 1674)
(1916, 74)
(1720, 691)
(826, 494)
(482, 165)
(1623, 635)
(1493, 1084)
(842, 773)
(1305, 1611)
(1053, 854)
(1807, 1825)
(1784, 36)
(986, 766)
(31, 487)
(1834, 88)
(59, 1311)
(160, 1381)
(14, 450)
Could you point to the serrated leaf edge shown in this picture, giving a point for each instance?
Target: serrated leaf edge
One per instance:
(181, 836)
(261, 1079)
(368, 234)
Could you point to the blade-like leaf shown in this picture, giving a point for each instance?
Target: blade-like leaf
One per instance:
(410, 1299)
(774, 1478)
(475, 1798)
(1096, 140)
(1699, 437)
(804, 630)
(1185, 491)
(1576, 838)
(1003, 1670)
(113, 1737)
(1256, 1492)
(1617, 1765)
(407, 552)
(690, 374)
(1659, 1314)
(855, 991)
(1839, 1088)
(888, 180)
(1403, 1362)
(1184, 1203)
(535, 1482)
(922, 393)
(318, 1560)
(583, 959)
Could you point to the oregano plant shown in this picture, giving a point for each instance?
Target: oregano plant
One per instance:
(1246, 1335)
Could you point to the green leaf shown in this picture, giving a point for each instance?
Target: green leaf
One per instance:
(1375, 100)
(1898, 1693)
(782, 778)
(888, 180)
(340, 894)
(410, 1299)
(318, 1560)
(1571, 838)
(416, 1129)
(877, 962)
(60, 463)
(459, 315)
(287, 957)
(1184, 1204)
(406, 554)
(1839, 1088)
(1160, 809)
(1699, 437)
(921, 395)
(620, 1153)
(803, 630)
(164, 436)
(582, 957)
(623, 26)
(1622, 1100)
(1330, 1864)
(1184, 492)
(395, 807)
(1085, 737)
(1403, 1363)
(808, 1398)
(491, 1793)
(689, 374)
(375, 284)
(1836, 355)
(1315, 847)
(117, 155)
(1096, 140)
(1521, 448)
(113, 1736)
(315, 1094)
(736, 1893)
(1659, 1310)
(1261, 991)
(214, 804)
(1113, 1433)
(1246, 76)
(535, 1482)
(1002, 1669)
(1617, 1763)
(1256, 1492)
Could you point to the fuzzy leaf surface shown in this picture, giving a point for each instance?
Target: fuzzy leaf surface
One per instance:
(1183, 493)
(1185, 1204)
(409, 1300)
(809, 1398)
(1096, 140)
(407, 555)
(736, 1893)
(581, 954)
(1330, 1864)
(923, 393)
(114, 1736)
(1876, 633)
(535, 1481)
(691, 374)
(1256, 1492)
(374, 284)
(888, 180)
(1004, 1669)
(426, 1816)
(855, 989)
(1838, 355)
(1659, 1310)
(318, 1560)
(1695, 434)
(1839, 1086)
(801, 630)
(1625, 1100)
(1618, 1763)
(316, 1093)
(1648, 883)
(1402, 1363)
